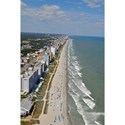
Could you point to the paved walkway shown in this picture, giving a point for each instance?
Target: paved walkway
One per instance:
(47, 90)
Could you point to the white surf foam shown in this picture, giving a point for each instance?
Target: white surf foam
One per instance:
(97, 123)
(74, 57)
(90, 118)
(80, 74)
(74, 91)
(79, 107)
(88, 94)
(74, 72)
(89, 102)
(81, 87)
(77, 67)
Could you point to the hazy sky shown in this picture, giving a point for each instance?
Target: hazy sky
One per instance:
(75, 17)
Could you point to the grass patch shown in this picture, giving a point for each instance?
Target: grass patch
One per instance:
(31, 122)
(59, 52)
(34, 121)
(54, 62)
(50, 83)
(52, 78)
(23, 96)
(51, 68)
(41, 92)
(43, 88)
(34, 99)
(38, 109)
(46, 107)
(25, 123)
(47, 77)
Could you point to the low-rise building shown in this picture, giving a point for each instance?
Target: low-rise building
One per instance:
(26, 41)
(26, 107)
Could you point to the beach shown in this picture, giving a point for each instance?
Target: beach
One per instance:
(57, 112)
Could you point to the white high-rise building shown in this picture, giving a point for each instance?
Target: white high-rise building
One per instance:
(29, 80)
(53, 50)
(38, 66)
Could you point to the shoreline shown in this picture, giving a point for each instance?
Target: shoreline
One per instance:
(68, 122)
(57, 113)
(66, 88)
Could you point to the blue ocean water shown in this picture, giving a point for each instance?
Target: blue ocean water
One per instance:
(86, 80)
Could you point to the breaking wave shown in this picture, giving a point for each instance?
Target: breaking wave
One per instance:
(77, 89)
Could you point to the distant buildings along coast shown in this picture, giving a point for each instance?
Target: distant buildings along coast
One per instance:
(36, 72)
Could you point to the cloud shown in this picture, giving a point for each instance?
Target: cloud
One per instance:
(45, 12)
(23, 5)
(52, 19)
(100, 22)
(52, 10)
(93, 3)
(74, 2)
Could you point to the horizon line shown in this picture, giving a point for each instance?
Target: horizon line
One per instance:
(63, 34)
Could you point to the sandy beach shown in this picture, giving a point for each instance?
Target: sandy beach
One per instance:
(57, 103)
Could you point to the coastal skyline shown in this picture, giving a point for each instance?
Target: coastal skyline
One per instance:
(76, 17)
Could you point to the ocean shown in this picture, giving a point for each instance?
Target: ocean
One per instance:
(86, 80)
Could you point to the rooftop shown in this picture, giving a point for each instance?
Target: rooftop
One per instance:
(26, 104)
